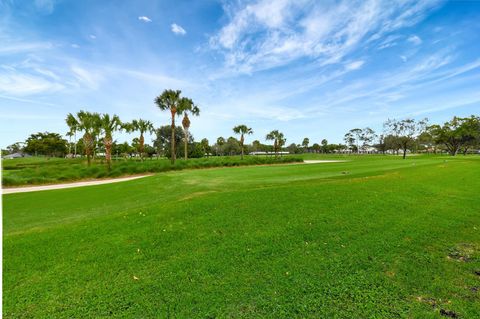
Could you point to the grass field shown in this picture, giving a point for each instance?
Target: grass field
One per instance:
(42, 170)
(375, 237)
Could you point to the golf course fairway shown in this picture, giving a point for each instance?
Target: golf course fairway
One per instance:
(372, 237)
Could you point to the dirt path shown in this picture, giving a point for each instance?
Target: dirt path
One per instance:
(68, 185)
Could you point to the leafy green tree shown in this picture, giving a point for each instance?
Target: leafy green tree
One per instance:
(316, 147)
(367, 136)
(294, 149)
(149, 150)
(405, 132)
(162, 140)
(205, 146)
(219, 146)
(232, 146)
(49, 144)
(124, 149)
(351, 140)
(109, 125)
(242, 130)
(186, 106)
(457, 133)
(169, 100)
(15, 148)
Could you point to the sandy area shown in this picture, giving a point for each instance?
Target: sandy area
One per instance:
(108, 181)
(68, 185)
(321, 161)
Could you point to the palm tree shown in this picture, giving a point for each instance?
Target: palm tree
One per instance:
(277, 138)
(242, 130)
(169, 100)
(186, 106)
(143, 126)
(72, 124)
(305, 143)
(108, 125)
(89, 124)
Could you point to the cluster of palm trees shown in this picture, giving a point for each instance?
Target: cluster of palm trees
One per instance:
(101, 127)
(171, 100)
(277, 137)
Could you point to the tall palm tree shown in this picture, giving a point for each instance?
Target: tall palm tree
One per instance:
(169, 100)
(242, 130)
(143, 126)
(72, 125)
(186, 106)
(88, 123)
(108, 125)
(277, 138)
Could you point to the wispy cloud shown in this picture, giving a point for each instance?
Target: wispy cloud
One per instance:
(21, 84)
(178, 29)
(22, 47)
(90, 79)
(267, 34)
(144, 19)
(415, 39)
(45, 6)
(354, 65)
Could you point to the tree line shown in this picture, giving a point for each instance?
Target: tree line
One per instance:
(458, 134)
(96, 132)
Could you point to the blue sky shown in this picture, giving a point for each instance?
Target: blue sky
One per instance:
(308, 68)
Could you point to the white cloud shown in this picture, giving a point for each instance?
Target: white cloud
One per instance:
(404, 58)
(266, 34)
(92, 36)
(144, 19)
(86, 78)
(21, 47)
(354, 65)
(75, 46)
(415, 40)
(22, 84)
(178, 29)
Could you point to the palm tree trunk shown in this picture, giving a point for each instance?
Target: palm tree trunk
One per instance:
(141, 145)
(75, 147)
(88, 144)
(172, 149)
(186, 144)
(108, 151)
(241, 144)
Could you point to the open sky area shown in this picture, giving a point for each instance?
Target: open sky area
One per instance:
(307, 68)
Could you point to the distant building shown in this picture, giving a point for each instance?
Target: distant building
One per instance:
(268, 153)
(16, 155)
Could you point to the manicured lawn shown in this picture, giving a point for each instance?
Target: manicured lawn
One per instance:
(375, 237)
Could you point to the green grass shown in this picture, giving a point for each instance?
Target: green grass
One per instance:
(41, 170)
(376, 237)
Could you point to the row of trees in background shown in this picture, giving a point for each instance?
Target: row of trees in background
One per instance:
(97, 137)
(458, 134)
